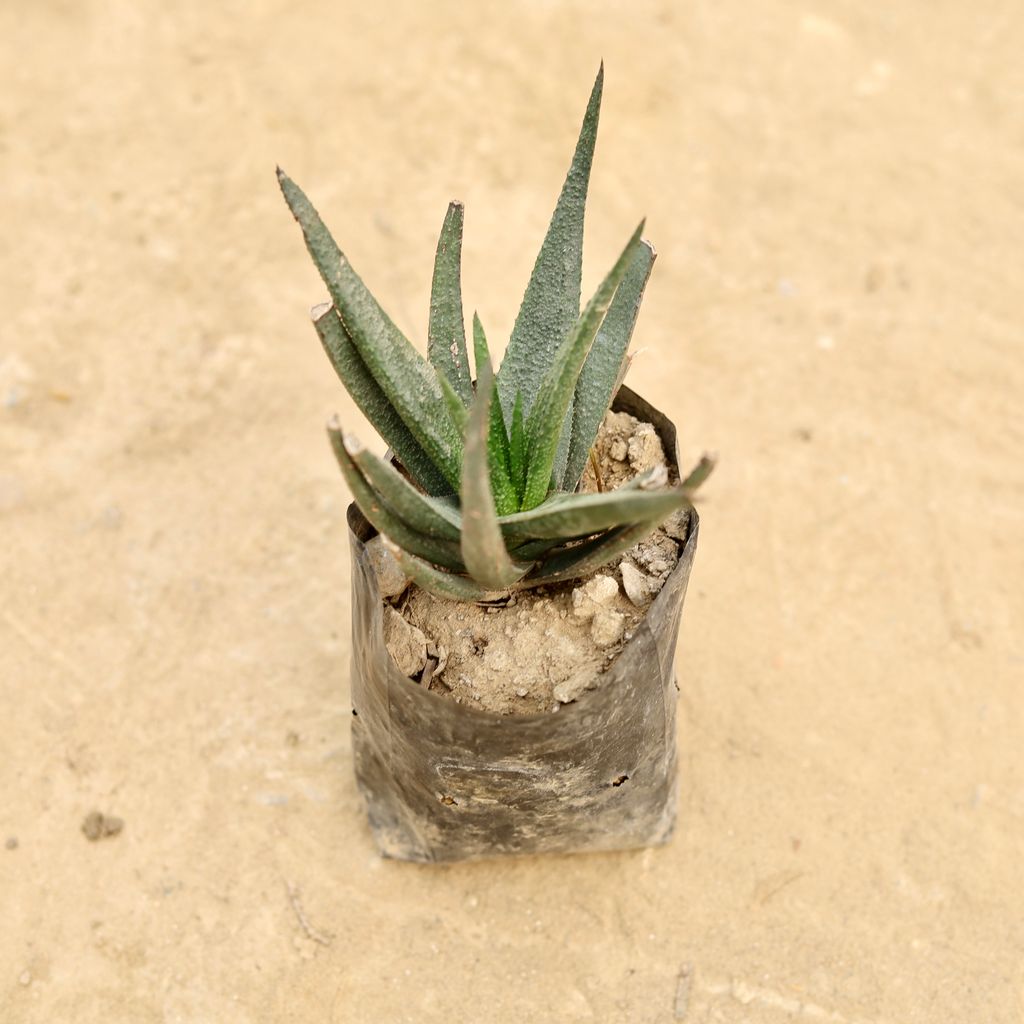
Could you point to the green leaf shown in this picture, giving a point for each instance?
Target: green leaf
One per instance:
(582, 559)
(596, 386)
(517, 451)
(580, 515)
(552, 300)
(373, 506)
(546, 419)
(406, 378)
(422, 513)
(700, 472)
(442, 584)
(532, 550)
(505, 497)
(456, 409)
(366, 392)
(446, 334)
(483, 548)
(562, 451)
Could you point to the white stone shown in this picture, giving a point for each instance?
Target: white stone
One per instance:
(592, 595)
(635, 584)
(607, 627)
(645, 451)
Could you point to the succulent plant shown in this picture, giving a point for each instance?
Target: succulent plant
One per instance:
(480, 498)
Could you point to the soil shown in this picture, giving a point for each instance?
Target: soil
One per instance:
(548, 645)
(836, 193)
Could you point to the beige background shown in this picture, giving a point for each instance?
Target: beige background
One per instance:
(837, 194)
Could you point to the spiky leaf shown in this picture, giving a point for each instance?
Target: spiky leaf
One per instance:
(580, 515)
(366, 392)
(579, 560)
(551, 304)
(440, 583)
(446, 334)
(380, 516)
(532, 550)
(506, 499)
(700, 472)
(517, 450)
(407, 379)
(483, 548)
(596, 386)
(428, 516)
(547, 417)
(456, 408)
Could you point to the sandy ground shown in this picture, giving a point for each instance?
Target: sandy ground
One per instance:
(836, 193)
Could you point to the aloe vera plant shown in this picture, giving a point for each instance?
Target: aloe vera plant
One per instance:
(484, 501)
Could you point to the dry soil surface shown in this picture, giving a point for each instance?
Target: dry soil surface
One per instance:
(836, 191)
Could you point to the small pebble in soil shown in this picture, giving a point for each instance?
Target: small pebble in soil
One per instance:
(98, 826)
(607, 627)
(635, 584)
(593, 595)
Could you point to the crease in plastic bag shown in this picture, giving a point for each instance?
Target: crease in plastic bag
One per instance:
(443, 781)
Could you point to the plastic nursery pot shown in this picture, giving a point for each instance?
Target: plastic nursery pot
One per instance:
(444, 781)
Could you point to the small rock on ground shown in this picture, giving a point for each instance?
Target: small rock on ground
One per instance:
(98, 826)
(607, 627)
(635, 584)
(593, 595)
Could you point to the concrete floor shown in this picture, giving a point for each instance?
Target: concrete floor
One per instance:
(836, 191)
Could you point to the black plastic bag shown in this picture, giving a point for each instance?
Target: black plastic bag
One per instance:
(444, 781)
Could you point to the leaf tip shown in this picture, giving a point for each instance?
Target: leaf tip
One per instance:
(320, 310)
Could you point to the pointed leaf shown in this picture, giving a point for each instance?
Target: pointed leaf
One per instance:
(545, 422)
(505, 497)
(481, 350)
(408, 380)
(532, 550)
(456, 409)
(582, 559)
(439, 583)
(580, 515)
(596, 386)
(483, 549)
(422, 513)
(551, 304)
(700, 472)
(373, 506)
(517, 450)
(562, 451)
(366, 392)
(446, 334)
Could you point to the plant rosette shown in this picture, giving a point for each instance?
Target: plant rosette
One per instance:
(491, 492)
